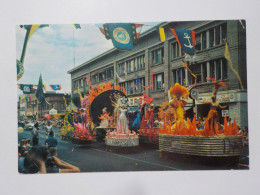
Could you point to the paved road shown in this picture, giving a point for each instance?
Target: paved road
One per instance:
(94, 158)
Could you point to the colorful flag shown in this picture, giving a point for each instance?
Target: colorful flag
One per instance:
(186, 40)
(55, 87)
(28, 99)
(39, 93)
(77, 26)
(20, 69)
(26, 88)
(122, 34)
(138, 28)
(161, 33)
(227, 56)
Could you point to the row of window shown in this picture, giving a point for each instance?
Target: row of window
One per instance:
(130, 66)
(108, 73)
(213, 69)
(48, 107)
(132, 88)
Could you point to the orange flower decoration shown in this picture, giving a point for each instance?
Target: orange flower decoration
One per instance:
(177, 89)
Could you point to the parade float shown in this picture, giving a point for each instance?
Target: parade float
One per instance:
(179, 137)
(108, 112)
(66, 131)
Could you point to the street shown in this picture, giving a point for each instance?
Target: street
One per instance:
(94, 158)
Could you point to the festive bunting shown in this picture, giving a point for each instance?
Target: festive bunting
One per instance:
(227, 56)
(138, 28)
(186, 40)
(77, 26)
(55, 87)
(161, 33)
(100, 26)
(26, 88)
(122, 34)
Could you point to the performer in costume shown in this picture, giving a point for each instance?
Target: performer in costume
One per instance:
(122, 126)
(177, 92)
(213, 117)
(105, 118)
(150, 116)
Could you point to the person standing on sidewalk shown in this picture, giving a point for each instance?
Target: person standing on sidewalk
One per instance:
(35, 133)
(49, 128)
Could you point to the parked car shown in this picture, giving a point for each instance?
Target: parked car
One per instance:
(21, 123)
(29, 126)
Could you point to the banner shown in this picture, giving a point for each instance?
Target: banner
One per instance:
(55, 87)
(27, 89)
(161, 33)
(77, 26)
(185, 39)
(28, 99)
(122, 34)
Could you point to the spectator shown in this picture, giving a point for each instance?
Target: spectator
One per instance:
(34, 161)
(52, 143)
(35, 133)
(58, 166)
(48, 129)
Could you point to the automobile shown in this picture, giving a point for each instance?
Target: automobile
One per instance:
(29, 126)
(21, 123)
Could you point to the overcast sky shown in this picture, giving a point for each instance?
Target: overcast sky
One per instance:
(50, 52)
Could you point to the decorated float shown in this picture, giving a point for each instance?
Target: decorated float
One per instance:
(180, 137)
(108, 112)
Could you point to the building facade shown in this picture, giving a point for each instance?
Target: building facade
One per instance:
(54, 100)
(28, 110)
(165, 62)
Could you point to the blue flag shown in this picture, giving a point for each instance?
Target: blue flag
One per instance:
(27, 89)
(186, 40)
(28, 99)
(55, 87)
(122, 34)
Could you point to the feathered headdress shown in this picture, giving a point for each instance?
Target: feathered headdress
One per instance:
(178, 89)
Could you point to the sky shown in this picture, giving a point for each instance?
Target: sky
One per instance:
(50, 52)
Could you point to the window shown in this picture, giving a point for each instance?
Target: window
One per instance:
(75, 84)
(198, 42)
(81, 82)
(217, 35)
(62, 106)
(175, 50)
(218, 69)
(110, 73)
(179, 76)
(158, 81)
(94, 78)
(130, 66)
(157, 56)
(203, 40)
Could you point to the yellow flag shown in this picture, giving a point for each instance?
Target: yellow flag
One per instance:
(80, 94)
(33, 29)
(227, 56)
(162, 34)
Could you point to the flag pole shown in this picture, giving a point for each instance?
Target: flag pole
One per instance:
(74, 47)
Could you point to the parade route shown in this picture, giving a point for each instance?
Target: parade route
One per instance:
(94, 157)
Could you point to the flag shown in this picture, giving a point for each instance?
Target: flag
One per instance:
(39, 93)
(138, 28)
(26, 88)
(20, 69)
(77, 26)
(30, 29)
(44, 86)
(122, 34)
(101, 28)
(137, 82)
(186, 40)
(227, 56)
(28, 99)
(80, 94)
(119, 78)
(55, 87)
(161, 33)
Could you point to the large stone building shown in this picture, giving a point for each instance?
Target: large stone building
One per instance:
(165, 61)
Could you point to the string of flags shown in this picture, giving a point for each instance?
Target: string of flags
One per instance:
(30, 88)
